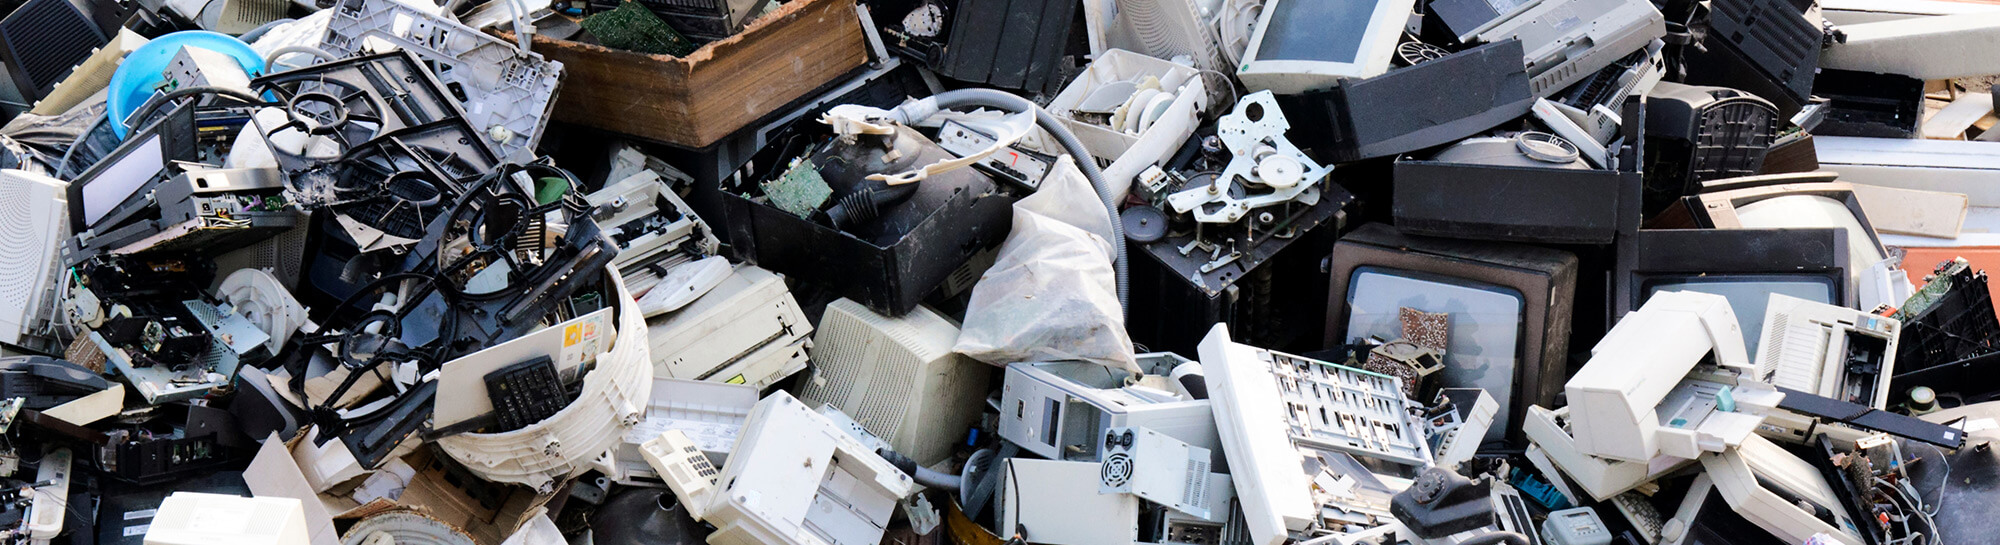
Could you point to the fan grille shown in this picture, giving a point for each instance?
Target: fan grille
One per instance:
(1116, 472)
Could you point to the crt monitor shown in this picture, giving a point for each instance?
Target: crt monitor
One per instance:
(1507, 307)
(1304, 45)
(1728, 204)
(1745, 266)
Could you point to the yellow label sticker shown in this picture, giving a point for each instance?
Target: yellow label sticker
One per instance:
(738, 379)
(572, 335)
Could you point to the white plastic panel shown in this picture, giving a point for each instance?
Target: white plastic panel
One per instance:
(565, 445)
(1252, 423)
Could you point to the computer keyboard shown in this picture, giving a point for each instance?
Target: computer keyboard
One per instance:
(1641, 514)
(525, 393)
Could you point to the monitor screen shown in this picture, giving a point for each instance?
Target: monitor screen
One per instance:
(1748, 294)
(1718, 524)
(117, 181)
(1482, 342)
(1316, 30)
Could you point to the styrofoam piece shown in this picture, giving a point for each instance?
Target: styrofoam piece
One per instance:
(509, 93)
(1131, 153)
(191, 518)
(1601, 478)
(710, 414)
(1927, 48)
(564, 445)
(746, 330)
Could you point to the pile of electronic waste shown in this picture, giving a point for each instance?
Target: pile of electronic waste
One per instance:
(982, 272)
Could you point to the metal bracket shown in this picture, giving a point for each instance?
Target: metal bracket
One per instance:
(1261, 158)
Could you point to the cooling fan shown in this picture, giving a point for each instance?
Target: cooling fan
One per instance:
(318, 108)
(1156, 468)
(1116, 471)
(402, 182)
(511, 258)
(349, 103)
(1414, 53)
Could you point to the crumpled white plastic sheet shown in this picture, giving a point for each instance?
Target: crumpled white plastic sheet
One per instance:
(1051, 294)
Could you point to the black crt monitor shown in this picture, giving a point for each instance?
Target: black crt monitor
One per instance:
(1508, 310)
(1744, 266)
(104, 195)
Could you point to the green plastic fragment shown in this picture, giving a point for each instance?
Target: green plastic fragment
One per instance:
(550, 189)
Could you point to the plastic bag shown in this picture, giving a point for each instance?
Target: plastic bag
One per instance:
(1051, 294)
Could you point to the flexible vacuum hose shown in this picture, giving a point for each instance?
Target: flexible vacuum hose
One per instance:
(912, 112)
(923, 475)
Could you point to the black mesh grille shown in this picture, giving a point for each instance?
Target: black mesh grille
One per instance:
(45, 39)
(256, 11)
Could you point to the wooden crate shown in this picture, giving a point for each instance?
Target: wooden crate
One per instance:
(696, 100)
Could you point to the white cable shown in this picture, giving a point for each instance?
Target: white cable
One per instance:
(1943, 483)
(523, 32)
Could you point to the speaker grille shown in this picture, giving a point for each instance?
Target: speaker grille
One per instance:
(18, 259)
(45, 39)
